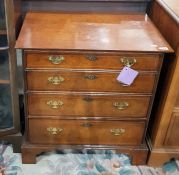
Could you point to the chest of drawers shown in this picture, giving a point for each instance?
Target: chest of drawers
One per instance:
(72, 97)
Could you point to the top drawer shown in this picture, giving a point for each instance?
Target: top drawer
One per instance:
(149, 62)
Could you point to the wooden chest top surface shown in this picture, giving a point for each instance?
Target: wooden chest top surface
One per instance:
(90, 31)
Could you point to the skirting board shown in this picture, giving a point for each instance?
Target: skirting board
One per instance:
(157, 157)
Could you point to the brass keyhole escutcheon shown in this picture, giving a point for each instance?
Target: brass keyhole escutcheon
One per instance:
(91, 57)
(91, 77)
(88, 99)
(87, 125)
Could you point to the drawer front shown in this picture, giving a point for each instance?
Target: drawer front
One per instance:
(87, 105)
(86, 81)
(90, 61)
(51, 131)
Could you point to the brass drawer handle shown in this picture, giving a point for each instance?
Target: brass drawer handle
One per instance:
(56, 59)
(117, 131)
(91, 57)
(128, 61)
(87, 125)
(121, 105)
(54, 104)
(54, 130)
(56, 80)
(91, 77)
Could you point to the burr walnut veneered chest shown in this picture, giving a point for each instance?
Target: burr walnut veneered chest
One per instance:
(72, 98)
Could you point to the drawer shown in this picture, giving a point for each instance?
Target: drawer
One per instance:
(92, 61)
(51, 131)
(86, 81)
(72, 105)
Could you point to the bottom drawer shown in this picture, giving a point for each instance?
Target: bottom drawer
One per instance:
(53, 131)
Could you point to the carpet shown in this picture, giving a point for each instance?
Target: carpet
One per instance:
(93, 163)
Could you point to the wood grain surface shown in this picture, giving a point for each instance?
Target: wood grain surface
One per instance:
(81, 105)
(94, 81)
(90, 32)
(85, 132)
(92, 60)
